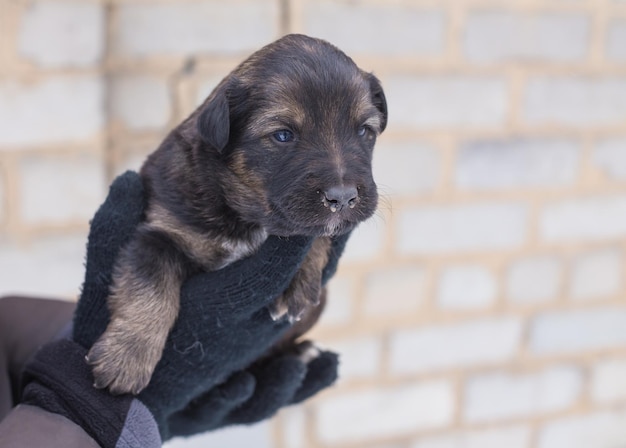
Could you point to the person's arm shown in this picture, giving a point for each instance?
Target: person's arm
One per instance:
(26, 324)
(32, 427)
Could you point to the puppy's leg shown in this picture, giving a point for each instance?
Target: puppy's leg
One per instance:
(306, 287)
(144, 303)
(291, 339)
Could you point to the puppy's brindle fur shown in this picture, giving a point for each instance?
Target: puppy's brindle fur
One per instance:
(223, 180)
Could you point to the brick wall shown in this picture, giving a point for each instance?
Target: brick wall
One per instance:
(484, 306)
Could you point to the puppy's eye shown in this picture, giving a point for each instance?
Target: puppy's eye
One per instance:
(364, 131)
(283, 136)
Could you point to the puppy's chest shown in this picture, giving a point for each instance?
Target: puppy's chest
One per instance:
(230, 250)
(211, 251)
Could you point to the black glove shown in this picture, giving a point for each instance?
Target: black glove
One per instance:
(204, 379)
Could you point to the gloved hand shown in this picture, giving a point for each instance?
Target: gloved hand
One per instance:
(206, 378)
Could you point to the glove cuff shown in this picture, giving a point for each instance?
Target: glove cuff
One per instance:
(59, 380)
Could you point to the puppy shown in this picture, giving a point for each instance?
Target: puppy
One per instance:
(282, 146)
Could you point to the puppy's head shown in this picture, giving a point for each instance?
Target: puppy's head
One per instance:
(296, 124)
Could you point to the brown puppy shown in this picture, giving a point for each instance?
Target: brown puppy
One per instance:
(283, 146)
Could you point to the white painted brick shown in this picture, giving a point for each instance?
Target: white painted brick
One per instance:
(517, 163)
(590, 218)
(417, 32)
(366, 241)
(615, 41)
(132, 159)
(431, 102)
(608, 381)
(578, 331)
(610, 156)
(58, 109)
(259, 435)
(395, 290)
(206, 87)
(56, 190)
(293, 424)
(452, 229)
(209, 26)
(47, 267)
(339, 305)
(141, 102)
(406, 169)
(494, 36)
(596, 275)
(575, 101)
(501, 437)
(3, 199)
(466, 287)
(599, 430)
(475, 342)
(62, 33)
(534, 280)
(365, 415)
(359, 358)
(501, 396)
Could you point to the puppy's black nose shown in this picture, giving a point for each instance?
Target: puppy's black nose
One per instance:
(340, 196)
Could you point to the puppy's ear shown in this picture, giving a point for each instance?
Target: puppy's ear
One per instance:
(214, 118)
(379, 100)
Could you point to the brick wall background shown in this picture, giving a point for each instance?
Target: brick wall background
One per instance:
(483, 307)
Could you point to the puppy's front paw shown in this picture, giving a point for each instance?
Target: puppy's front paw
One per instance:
(295, 301)
(279, 309)
(121, 364)
(306, 351)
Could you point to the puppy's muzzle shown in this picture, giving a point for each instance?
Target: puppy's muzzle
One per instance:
(339, 197)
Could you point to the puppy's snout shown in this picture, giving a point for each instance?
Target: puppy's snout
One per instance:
(340, 196)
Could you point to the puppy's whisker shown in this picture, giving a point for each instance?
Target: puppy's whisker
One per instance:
(384, 203)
